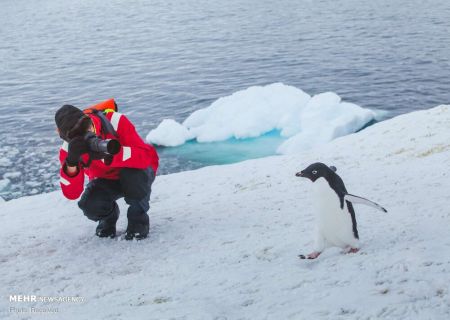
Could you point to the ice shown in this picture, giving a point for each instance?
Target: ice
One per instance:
(5, 162)
(169, 133)
(323, 119)
(250, 113)
(224, 152)
(4, 183)
(12, 175)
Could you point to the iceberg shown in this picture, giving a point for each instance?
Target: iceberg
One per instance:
(304, 121)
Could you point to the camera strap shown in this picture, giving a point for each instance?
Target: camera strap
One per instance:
(106, 124)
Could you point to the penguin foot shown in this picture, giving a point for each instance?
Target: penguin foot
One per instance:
(352, 250)
(310, 256)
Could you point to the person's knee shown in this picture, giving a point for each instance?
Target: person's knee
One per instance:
(136, 183)
(95, 209)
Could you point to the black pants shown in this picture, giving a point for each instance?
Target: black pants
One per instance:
(135, 185)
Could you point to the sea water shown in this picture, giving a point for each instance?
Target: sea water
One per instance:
(166, 59)
(193, 155)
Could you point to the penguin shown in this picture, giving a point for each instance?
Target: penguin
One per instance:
(335, 215)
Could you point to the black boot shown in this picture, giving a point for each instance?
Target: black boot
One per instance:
(138, 228)
(107, 226)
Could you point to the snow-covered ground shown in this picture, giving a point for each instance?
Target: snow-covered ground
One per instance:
(224, 240)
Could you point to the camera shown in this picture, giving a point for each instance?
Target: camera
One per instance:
(95, 144)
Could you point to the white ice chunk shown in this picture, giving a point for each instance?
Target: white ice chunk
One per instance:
(5, 162)
(12, 175)
(4, 183)
(169, 133)
(324, 119)
(249, 113)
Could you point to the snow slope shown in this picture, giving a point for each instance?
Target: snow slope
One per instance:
(224, 240)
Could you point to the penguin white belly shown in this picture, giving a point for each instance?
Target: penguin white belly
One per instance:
(334, 225)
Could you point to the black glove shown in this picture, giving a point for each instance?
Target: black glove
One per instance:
(77, 147)
(107, 158)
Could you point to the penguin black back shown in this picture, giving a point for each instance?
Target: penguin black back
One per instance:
(320, 170)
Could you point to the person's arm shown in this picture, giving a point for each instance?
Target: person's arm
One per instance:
(71, 177)
(134, 152)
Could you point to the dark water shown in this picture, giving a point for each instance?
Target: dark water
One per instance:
(165, 59)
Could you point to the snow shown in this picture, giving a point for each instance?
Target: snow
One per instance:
(224, 239)
(250, 113)
(169, 133)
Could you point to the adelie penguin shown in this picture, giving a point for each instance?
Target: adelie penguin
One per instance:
(336, 221)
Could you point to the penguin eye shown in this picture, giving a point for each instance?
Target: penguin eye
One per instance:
(314, 172)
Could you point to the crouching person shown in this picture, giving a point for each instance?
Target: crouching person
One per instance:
(103, 144)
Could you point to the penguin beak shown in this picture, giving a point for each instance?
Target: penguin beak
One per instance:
(299, 174)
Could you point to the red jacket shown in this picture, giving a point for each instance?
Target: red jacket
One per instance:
(134, 153)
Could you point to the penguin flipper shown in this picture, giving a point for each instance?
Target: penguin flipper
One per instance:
(355, 199)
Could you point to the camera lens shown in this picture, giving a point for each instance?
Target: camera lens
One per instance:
(113, 147)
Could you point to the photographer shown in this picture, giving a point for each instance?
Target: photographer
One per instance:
(105, 146)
